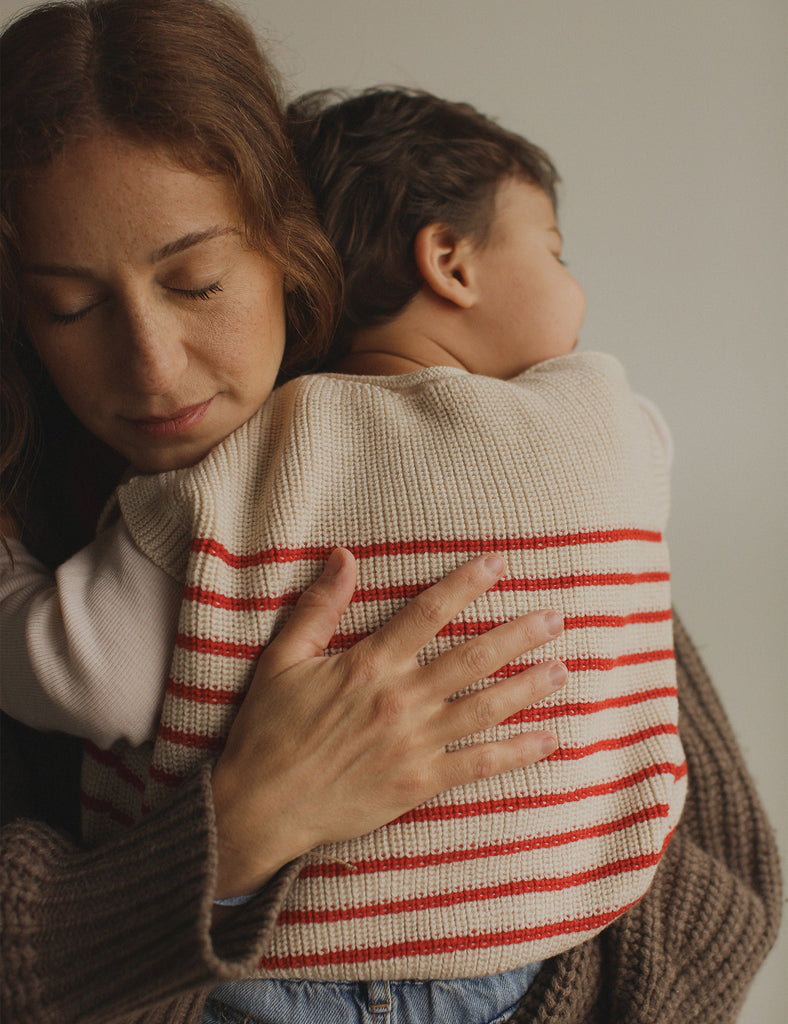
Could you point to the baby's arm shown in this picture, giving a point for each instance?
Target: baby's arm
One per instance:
(86, 651)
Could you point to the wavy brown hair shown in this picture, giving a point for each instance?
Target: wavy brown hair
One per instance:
(386, 162)
(187, 75)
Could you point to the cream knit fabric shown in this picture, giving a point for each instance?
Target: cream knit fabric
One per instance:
(562, 472)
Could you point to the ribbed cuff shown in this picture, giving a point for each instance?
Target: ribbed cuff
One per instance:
(89, 934)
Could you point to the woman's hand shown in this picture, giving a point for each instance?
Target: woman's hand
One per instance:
(328, 748)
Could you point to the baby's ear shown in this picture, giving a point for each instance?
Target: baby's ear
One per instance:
(446, 264)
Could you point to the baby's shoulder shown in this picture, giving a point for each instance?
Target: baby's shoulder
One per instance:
(590, 366)
(571, 381)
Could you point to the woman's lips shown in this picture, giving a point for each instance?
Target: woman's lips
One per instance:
(176, 423)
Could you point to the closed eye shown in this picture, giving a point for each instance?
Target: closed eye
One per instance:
(71, 318)
(199, 293)
(188, 293)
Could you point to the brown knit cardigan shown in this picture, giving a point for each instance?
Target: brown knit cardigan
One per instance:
(122, 933)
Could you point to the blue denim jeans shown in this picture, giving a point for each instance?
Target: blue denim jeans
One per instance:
(489, 1000)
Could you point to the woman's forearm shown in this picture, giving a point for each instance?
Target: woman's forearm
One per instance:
(83, 930)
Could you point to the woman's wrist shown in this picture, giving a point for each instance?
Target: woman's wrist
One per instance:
(253, 843)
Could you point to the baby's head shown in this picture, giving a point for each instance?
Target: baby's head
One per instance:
(387, 164)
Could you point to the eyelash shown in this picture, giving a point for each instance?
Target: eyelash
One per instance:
(200, 293)
(188, 293)
(69, 318)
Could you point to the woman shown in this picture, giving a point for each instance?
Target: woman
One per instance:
(208, 181)
(82, 976)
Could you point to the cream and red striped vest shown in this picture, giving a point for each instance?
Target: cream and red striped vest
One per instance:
(561, 471)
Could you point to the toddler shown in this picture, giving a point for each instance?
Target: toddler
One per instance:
(458, 419)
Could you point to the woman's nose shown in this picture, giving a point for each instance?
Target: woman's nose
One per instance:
(155, 355)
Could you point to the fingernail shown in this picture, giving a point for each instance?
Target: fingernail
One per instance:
(557, 675)
(495, 564)
(334, 563)
(547, 744)
(553, 622)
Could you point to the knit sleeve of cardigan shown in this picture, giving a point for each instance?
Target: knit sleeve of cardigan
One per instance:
(90, 935)
(688, 951)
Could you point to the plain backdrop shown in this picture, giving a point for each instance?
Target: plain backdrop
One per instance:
(669, 124)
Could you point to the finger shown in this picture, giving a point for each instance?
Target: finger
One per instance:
(487, 708)
(418, 622)
(481, 657)
(307, 632)
(484, 760)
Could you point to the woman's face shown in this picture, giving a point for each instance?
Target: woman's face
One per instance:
(160, 327)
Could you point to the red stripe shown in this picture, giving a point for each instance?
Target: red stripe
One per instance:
(91, 803)
(416, 861)
(259, 603)
(614, 743)
(195, 740)
(448, 944)
(407, 591)
(503, 890)
(423, 546)
(616, 621)
(221, 648)
(221, 696)
(115, 762)
(606, 579)
(472, 809)
(542, 713)
(593, 664)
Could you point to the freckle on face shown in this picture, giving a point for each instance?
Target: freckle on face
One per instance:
(144, 349)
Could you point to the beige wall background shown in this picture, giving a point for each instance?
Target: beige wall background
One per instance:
(669, 124)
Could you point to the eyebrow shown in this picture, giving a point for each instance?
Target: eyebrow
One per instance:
(190, 240)
(557, 232)
(178, 245)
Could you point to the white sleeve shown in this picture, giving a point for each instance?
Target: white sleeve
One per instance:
(86, 651)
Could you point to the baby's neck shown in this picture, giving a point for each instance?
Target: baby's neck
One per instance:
(379, 364)
(395, 348)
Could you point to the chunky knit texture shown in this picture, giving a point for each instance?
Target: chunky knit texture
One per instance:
(143, 898)
(120, 935)
(562, 471)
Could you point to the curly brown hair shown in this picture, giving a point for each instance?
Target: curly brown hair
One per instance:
(187, 75)
(386, 162)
